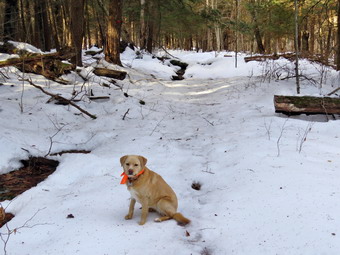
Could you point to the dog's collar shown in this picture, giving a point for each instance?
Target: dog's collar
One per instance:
(126, 177)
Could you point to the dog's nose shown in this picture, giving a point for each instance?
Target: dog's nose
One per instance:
(130, 171)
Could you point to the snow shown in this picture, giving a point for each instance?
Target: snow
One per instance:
(265, 188)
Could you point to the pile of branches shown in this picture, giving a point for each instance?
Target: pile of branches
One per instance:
(51, 65)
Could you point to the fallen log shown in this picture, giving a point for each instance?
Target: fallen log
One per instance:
(271, 57)
(93, 98)
(115, 74)
(291, 57)
(70, 151)
(93, 52)
(292, 105)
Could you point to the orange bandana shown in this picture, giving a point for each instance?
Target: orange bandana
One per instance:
(126, 177)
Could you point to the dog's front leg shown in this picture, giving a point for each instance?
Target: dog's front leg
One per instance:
(145, 212)
(131, 209)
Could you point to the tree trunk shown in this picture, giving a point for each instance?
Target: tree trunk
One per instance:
(257, 32)
(142, 42)
(46, 28)
(305, 38)
(152, 16)
(77, 30)
(112, 50)
(10, 17)
(23, 22)
(258, 38)
(312, 36)
(304, 43)
(52, 13)
(296, 44)
(37, 25)
(338, 40)
(217, 28)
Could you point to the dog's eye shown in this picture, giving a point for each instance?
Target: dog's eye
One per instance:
(127, 164)
(136, 164)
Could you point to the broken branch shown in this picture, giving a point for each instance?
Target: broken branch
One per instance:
(58, 97)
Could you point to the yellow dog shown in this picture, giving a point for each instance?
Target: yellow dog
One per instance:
(150, 190)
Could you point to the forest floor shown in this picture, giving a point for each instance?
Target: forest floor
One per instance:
(269, 184)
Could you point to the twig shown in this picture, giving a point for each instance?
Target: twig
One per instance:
(168, 52)
(126, 114)
(159, 122)
(58, 97)
(208, 171)
(267, 127)
(280, 136)
(6, 236)
(22, 90)
(3, 75)
(208, 121)
(334, 91)
(324, 108)
(304, 137)
(51, 140)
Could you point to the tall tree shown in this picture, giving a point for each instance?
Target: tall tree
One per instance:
(112, 49)
(77, 29)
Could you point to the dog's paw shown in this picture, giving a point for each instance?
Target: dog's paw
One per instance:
(128, 217)
(141, 223)
(158, 220)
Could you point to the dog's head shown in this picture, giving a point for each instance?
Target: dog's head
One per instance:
(132, 164)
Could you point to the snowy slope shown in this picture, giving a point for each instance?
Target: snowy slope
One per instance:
(265, 190)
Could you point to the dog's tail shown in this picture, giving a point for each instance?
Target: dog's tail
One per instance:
(181, 220)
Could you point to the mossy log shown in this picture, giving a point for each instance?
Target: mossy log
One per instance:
(306, 105)
(115, 74)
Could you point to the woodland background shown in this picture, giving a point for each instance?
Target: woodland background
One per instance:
(252, 26)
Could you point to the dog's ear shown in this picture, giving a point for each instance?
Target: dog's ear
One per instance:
(142, 160)
(122, 159)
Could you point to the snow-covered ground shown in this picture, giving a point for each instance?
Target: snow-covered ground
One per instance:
(270, 184)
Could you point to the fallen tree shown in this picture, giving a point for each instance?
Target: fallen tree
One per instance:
(51, 65)
(291, 105)
(290, 57)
